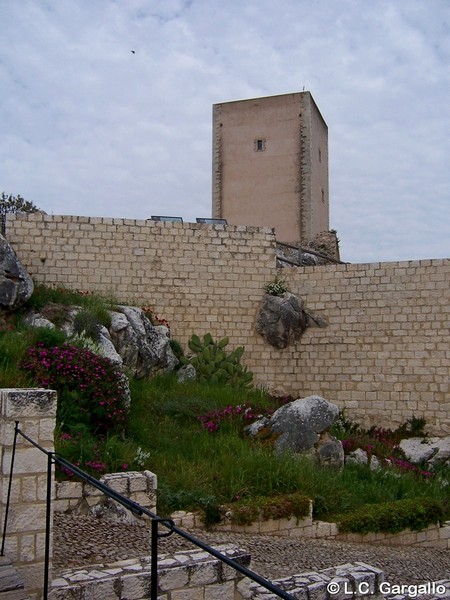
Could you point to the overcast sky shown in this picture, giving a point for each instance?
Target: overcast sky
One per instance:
(87, 127)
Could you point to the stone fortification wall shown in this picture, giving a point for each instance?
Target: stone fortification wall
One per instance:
(384, 355)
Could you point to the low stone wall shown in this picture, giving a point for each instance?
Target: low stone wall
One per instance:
(356, 580)
(435, 536)
(35, 411)
(80, 497)
(188, 575)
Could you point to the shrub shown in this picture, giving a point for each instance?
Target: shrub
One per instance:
(43, 295)
(176, 348)
(81, 340)
(248, 510)
(46, 337)
(90, 389)
(213, 364)
(13, 346)
(392, 517)
(89, 320)
(96, 456)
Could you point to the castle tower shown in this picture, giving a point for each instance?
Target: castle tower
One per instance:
(270, 165)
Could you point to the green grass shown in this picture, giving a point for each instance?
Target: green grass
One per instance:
(195, 466)
(200, 469)
(44, 295)
(13, 345)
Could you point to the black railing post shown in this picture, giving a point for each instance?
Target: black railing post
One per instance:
(48, 515)
(136, 509)
(154, 561)
(8, 499)
(154, 549)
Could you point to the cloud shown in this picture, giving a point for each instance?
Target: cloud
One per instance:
(88, 127)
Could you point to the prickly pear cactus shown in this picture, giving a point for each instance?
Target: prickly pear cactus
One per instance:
(213, 364)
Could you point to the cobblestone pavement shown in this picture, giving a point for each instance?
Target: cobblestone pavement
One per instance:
(84, 540)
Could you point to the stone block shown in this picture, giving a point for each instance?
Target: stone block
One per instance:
(323, 529)
(432, 534)
(143, 499)
(224, 591)
(90, 490)
(253, 528)
(137, 482)
(68, 489)
(27, 461)
(24, 517)
(188, 594)
(270, 526)
(204, 573)
(134, 586)
(172, 579)
(188, 522)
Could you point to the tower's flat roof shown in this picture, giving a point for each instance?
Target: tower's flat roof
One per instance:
(304, 93)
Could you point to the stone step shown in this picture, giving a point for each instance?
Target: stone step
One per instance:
(9, 579)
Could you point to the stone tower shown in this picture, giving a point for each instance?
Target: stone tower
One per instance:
(270, 165)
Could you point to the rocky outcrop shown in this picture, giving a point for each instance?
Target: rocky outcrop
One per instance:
(283, 319)
(361, 457)
(16, 286)
(302, 426)
(431, 451)
(143, 347)
(131, 342)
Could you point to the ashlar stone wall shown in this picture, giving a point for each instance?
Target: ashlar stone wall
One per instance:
(35, 411)
(384, 356)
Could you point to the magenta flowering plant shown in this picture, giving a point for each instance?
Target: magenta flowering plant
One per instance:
(242, 414)
(407, 467)
(91, 391)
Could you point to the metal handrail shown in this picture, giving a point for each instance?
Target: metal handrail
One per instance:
(136, 509)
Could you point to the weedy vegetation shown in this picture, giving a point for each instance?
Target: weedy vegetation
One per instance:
(192, 435)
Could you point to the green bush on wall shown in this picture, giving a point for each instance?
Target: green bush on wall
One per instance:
(392, 517)
(283, 506)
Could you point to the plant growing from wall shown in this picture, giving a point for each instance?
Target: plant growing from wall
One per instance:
(213, 364)
(278, 287)
(392, 517)
(282, 506)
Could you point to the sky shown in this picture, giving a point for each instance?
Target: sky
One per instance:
(88, 127)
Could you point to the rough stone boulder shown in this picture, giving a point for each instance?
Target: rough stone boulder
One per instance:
(16, 286)
(302, 426)
(427, 450)
(283, 319)
(142, 346)
(131, 342)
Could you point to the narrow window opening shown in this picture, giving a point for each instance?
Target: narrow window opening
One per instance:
(320, 155)
(260, 145)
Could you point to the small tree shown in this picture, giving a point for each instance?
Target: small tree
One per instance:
(13, 204)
